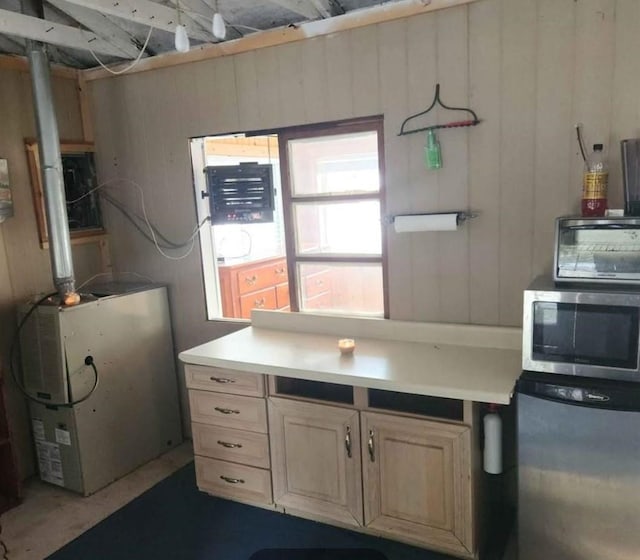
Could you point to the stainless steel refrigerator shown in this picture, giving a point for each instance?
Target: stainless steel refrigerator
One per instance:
(133, 414)
(579, 468)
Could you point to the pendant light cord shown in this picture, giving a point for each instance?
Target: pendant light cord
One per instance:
(133, 64)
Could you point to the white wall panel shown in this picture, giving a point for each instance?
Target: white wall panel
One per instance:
(24, 266)
(530, 68)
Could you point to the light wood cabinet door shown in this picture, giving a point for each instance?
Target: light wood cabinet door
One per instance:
(417, 481)
(315, 460)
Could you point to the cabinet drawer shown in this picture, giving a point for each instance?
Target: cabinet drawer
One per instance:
(233, 481)
(253, 279)
(322, 301)
(282, 295)
(230, 411)
(263, 299)
(237, 446)
(317, 283)
(224, 380)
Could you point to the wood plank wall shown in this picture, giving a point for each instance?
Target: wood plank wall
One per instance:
(530, 68)
(24, 267)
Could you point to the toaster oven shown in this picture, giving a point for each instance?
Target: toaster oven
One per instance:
(597, 250)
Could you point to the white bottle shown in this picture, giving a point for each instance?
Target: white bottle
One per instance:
(492, 441)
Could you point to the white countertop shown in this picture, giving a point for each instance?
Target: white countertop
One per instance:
(458, 362)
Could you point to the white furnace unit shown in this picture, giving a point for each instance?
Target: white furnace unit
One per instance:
(132, 416)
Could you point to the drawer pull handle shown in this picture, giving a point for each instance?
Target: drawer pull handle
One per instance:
(319, 282)
(251, 280)
(226, 410)
(370, 446)
(230, 445)
(222, 380)
(231, 480)
(259, 302)
(279, 270)
(347, 441)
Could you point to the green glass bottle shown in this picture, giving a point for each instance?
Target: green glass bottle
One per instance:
(432, 154)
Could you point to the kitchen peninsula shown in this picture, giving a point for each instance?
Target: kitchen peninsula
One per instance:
(384, 441)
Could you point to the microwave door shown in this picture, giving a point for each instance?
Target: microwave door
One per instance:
(583, 339)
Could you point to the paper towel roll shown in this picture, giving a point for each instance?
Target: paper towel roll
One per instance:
(426, 222)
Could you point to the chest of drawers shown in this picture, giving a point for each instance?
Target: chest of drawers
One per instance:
(255, 285)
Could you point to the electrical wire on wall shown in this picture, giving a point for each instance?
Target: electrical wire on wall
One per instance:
(88, 362)
(153, 234)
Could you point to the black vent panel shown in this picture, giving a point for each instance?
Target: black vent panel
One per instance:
(240, 193)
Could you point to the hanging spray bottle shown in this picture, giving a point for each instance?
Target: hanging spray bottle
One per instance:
(432, 154)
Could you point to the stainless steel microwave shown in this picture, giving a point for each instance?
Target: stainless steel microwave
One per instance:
(590, 331)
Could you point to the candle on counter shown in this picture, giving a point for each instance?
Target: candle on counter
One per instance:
(346, 345)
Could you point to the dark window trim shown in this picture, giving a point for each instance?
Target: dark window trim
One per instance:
(366, 124)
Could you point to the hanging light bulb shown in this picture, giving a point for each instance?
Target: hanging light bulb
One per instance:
(218, 28)
(182, 39)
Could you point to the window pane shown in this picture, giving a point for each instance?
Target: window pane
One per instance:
(341, 288)
(345, 163)
(344, 228)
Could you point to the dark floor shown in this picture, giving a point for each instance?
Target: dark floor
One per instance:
(174, 520)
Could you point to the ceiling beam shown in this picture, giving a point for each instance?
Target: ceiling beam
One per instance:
(36, 29)
(147, 13)
(284, 35)
(101, 26)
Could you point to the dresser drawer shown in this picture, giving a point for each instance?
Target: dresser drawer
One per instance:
(317, 283)
(230, 411)
(252, 279)
(322, 301)
(227, 444)
(224, 380)
(230, 480)
(264, 299)
(282, 295)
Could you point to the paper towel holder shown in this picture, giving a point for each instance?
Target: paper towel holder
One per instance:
(461, 215)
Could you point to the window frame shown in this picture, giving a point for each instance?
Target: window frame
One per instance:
(367, 124)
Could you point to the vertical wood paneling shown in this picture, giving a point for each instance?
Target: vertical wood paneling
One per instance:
(593, 82)
(517, 145)
(65, 93)
(291, 89)
(227, 111)
(269, 98)
(364, 71)
(24, 267)
(394, 99)
(554, 132)
(453, 178)
(530, 68)
(247, 87)
(485, 42)
(422, 49)
(625, 118)
(314, 80)
(339, 75)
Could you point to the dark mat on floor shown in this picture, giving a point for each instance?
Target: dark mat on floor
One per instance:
(173, 520)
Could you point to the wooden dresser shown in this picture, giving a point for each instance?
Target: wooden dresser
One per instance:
(258, 284)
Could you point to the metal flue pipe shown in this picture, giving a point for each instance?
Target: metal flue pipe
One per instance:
(50, 162)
